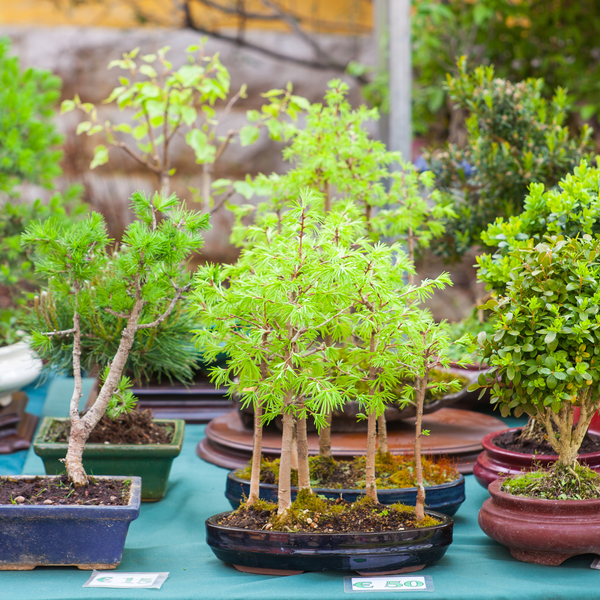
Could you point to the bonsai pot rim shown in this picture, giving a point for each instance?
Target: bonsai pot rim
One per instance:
(285, 553)
(88, 537)
(495, 462)
(173, 448)
(154, 460)
(538, 530)
(451, 494)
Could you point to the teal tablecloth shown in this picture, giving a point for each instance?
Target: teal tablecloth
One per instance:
(169, 536)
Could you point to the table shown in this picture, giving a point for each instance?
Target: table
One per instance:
(169, 536)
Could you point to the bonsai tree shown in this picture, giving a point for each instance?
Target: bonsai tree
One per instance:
(305, 278)
(270, 312)
(570, 209)
(515, 137)
(140, 283)
(169, 102)
(334, 155)
(545, 352)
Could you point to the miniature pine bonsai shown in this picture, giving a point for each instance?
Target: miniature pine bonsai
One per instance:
(141, 283)
(545, 349)
(170, 102)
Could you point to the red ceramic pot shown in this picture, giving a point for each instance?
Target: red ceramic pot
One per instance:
(494, 462)
(545, 532)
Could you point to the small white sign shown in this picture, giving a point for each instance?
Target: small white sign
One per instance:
(117, 579)
(596, 564)
(389, 583)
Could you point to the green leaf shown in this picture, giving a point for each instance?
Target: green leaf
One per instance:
(100, 156)
(198, 141)
(249, 134)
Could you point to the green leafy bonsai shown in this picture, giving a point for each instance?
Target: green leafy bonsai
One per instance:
(139, 283)
(515, 137)
(545, 349)
(570, 209)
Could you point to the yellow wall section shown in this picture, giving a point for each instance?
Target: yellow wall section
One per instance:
(320, 16)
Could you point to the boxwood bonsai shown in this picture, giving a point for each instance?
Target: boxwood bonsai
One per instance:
(545, 349)
(139, 282)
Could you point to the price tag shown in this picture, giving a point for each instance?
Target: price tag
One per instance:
(389, 583)
(115, 579)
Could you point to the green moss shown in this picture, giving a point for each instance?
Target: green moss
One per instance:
(559, 483)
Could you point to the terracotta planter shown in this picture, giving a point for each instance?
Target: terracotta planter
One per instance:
(87, 537)
(282, 553)
(545, 532)
(151, 462)
(445, 498)
(494, 462)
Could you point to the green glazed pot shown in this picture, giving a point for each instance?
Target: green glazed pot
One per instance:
(151, 462)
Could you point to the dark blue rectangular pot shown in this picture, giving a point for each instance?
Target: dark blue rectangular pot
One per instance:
(445, 498)
(281, 553)
(88, 537)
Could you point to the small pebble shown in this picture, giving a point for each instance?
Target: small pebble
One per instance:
(19, 499)
(113, 498)
(48, 501)
(314, 525)
(309, 520)
(269, 526)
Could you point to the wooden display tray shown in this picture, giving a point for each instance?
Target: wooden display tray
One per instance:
(16, 426)
(454, 432)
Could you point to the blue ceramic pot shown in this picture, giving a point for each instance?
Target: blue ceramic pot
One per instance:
(367, 553)
(88, 537)
(445, 498)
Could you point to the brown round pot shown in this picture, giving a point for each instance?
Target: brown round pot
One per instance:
(494, 462)
(545, 532)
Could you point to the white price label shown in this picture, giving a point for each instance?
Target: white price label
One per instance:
(389, 583)
(116, 579)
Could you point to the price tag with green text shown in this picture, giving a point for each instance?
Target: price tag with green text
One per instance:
(117, 579)
(389, 583)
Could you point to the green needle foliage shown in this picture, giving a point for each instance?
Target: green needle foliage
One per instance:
(141, 282)
(334, 155)
(545, 349)
(305, 286)
(515, 137)
(571, 209)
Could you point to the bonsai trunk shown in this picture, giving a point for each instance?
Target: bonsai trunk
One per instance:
(325, 437)
(284, 491)
(382, 434)
(256, 456)
(81, 427)
(421, 389)
(302, 445)
(370, 479)
(568, 440)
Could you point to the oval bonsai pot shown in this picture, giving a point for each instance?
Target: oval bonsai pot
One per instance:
(151, 462)
(88, 537)
(445, 498)
(545, 532)
(283, 553)
(494, 462)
